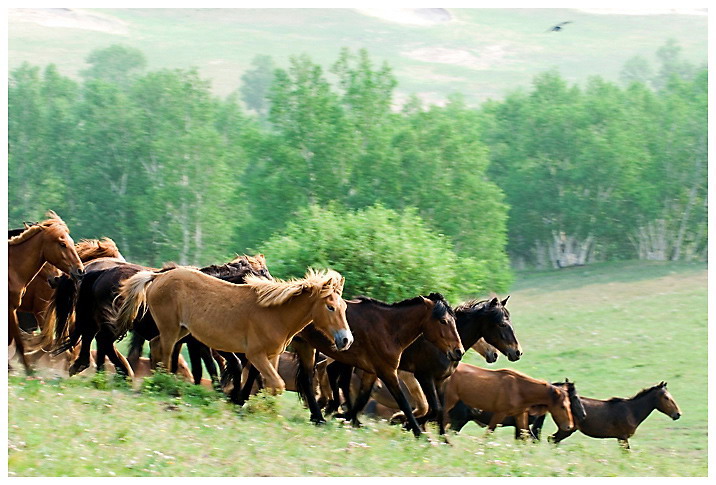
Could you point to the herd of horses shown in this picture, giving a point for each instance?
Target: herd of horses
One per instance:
(401, 361)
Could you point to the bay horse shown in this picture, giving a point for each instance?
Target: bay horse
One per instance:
(48, 241)
(461, 414)
(382, 332)
(408, 383)
(93, 301)
(618, 417)
(258, 318)
(475, 319)
(506, 392)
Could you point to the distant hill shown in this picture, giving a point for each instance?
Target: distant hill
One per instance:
(481, 53)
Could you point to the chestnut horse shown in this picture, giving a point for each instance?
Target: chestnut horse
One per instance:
(506, 392)
(619, 418)
(461, 414)
(258, 318)
(48, 241)
(382, 333)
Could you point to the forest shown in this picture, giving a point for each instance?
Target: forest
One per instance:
(316, 166)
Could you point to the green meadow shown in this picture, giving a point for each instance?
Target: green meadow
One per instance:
(613, 328)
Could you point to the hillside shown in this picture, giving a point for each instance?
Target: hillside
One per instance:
(612, 328)
(481, 53)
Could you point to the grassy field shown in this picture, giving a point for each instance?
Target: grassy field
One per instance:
(613, 328)
(481, 53)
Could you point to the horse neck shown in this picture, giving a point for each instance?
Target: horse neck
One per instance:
(29, 257)
(469, 326)
(296, 312)
(404, 327)
(641, 406)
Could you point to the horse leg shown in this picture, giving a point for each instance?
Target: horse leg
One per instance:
(205, 355)
(251, 376)
(497, 418)
(193, 346)
(14, 334)
(537, 426)
(167, 343)
(304, 378)
(560, 435)
(390, 379)
(521, 426)
(87, 327)
(119, 361)
(273, 381)
(435, 409)
(335, 372)
(366, 387)
(624, 443)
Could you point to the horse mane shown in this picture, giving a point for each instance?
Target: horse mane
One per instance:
(277, 292)
(88, 249)
(52, 223)
(476, 305)
(639, 394)
(439, 310)
(257, 262)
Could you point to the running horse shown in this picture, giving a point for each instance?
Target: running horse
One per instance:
(618, 417)
(507, 392)
(47, 241)
(258, 318)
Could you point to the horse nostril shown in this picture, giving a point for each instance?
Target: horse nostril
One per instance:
(345, 341)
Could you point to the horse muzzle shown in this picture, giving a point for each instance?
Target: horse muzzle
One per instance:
(455, 354)
(491, 357)
(77, 273)
(675, 416)
(342, 339)
(514, 355)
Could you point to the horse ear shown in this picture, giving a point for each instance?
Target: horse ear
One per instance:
(566, 380)
(494, 302)
(662, 384)
(504, 302)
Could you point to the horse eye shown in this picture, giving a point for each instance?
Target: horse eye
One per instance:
(63, 245)
(330, 308)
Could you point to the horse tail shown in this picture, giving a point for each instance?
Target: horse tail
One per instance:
(57, 316)
(133, 295)
(302, 379)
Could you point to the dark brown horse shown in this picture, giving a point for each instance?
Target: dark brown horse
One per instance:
(618, 417)
(475, 319)
(48, 241)
(382, 332)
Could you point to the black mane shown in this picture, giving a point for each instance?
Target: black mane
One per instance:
(439, 310)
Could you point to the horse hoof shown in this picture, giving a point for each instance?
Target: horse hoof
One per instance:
(77, 368)
(318, 421)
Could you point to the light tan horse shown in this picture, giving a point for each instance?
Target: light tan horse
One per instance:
(258, 318)
(48, 241)
(506, 392)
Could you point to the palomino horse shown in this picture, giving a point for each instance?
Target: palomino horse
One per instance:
(40, 290)
(619, 418)
(48, 241)
(93, 301)
(258, 318)
(461, 414)
(506, 392)
(382, 332)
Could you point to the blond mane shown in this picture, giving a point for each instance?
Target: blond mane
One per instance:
(88, 249)
(321, 282)
(257, 262)
(53, 223)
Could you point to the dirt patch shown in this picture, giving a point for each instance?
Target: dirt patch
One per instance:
(409, 16)
(68, 18)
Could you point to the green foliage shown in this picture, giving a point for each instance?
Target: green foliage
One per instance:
(255, 84)
(162, 384)
(116, 64)
(382, 253)
(262, 403)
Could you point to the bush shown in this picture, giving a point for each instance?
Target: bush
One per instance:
(382, 253)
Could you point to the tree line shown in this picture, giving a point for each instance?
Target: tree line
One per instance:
(550, 176)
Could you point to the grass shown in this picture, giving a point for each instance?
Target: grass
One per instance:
(507, 46)
(613, 328)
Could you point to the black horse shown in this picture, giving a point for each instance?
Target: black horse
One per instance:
(461, 414)
(475, 319)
